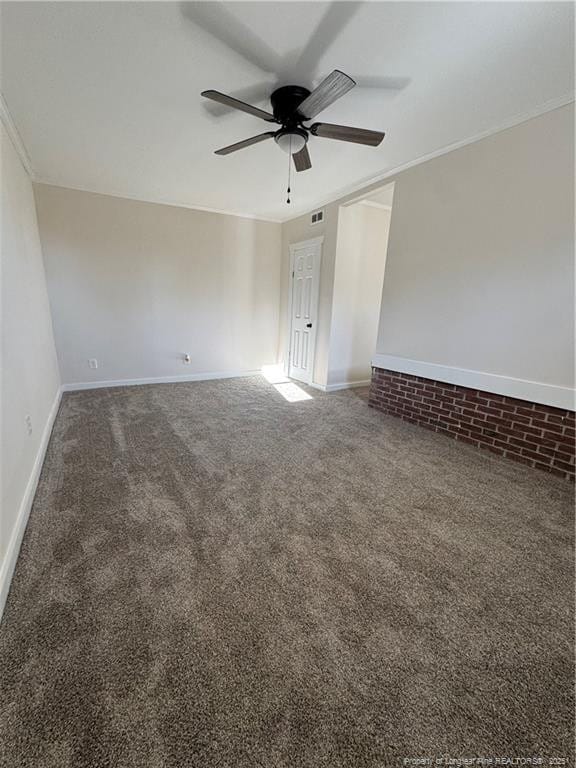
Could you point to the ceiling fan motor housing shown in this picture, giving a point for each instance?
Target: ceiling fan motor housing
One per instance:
(285, 103)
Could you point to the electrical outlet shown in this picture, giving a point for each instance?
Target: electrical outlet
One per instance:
(29, 424)
(186, 360)
(93, 363)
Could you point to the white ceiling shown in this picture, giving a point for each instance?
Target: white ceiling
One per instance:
(106, 95)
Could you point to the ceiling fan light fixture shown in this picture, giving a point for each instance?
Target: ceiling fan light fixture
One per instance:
(292, 141)
(293, 105)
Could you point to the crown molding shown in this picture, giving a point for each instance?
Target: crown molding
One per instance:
(365, 184)
(19, 146)
(340, 196)
(12, 131)
(158, 201)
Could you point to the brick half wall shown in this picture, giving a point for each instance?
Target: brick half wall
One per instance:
(537, 435)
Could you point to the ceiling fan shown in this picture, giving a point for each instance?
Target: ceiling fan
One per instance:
(292, 106)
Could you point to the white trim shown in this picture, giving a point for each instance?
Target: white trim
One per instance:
(341, 385)
(522, 389)
(366, 195)
(374, 204)
(158, 201)
(13, 549)
(77, 386)
(316, 242)
(347, 385)
(15, 137)
(311, 241)
(368, 181)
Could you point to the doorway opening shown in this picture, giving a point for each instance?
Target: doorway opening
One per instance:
(331, 346)
(361, 247)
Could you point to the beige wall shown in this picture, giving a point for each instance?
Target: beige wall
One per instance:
(29, 371)
(136, 285)
(479, 272)
(358, 278)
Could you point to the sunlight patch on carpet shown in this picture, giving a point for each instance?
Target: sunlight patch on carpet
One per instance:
(292, 392)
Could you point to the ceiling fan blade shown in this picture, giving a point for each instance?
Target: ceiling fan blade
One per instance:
(346, 133)
(302, 160)
(255, 94)
(246, 143)
(331, 88)
(230, 101)
(383, 83)
(224, 26)
(333, 23)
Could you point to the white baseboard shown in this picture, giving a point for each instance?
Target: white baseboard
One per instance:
(341, 385)
(77, 386)
(521, 389)
(9, 563)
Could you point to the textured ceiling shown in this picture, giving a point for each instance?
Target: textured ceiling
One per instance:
(106, 96)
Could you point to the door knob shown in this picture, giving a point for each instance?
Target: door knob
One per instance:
(308, 325)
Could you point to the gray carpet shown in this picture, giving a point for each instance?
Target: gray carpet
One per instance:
(215, 577)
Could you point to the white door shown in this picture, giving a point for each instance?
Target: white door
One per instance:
(305, 278)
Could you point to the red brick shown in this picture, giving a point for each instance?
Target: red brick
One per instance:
(531, 430)
(534, 455)
(522, 460)
(555, 419)
(444, 398)
(488, 410)
(550, 409)
(473, 398)
(563, 465)
(468, 412)
(504, 407)
(526, 410)
(566, 439)
(532, 434)
(515, 419)
(549, 426)
(548, 451)
(517, 432)
(518, 403)
(558, 472)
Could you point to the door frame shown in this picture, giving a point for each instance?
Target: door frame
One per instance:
(317, 242)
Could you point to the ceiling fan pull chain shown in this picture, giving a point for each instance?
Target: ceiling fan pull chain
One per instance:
(289, 169)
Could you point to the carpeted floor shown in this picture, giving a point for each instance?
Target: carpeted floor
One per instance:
(215, 577)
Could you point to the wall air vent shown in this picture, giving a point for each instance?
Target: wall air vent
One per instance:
(317, 217)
